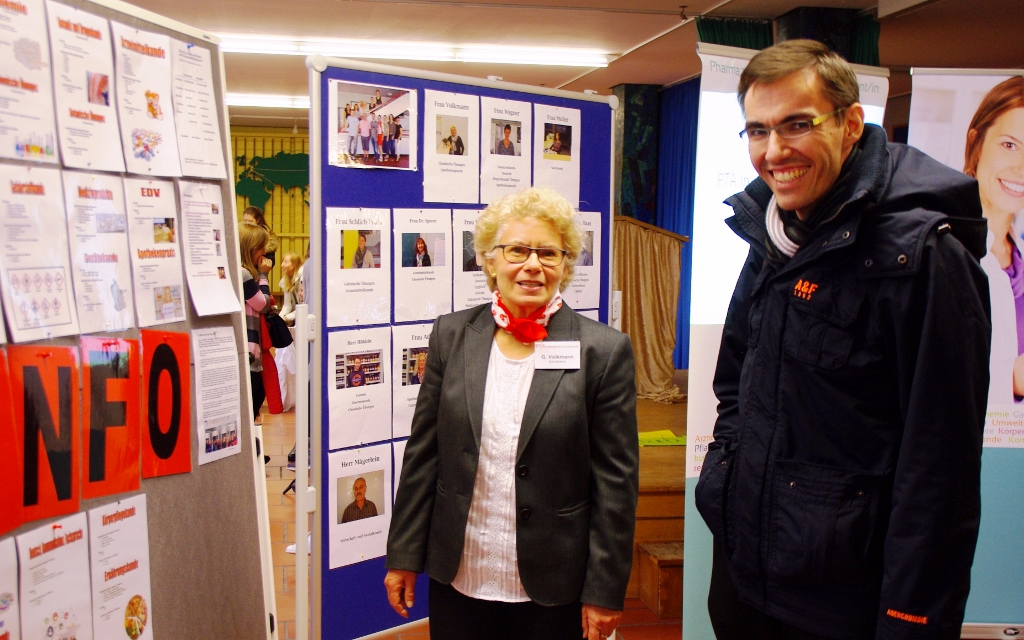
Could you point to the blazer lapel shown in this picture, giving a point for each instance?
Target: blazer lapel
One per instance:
(479, 334)
(545, 381)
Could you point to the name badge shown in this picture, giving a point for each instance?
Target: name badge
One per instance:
(556, 355)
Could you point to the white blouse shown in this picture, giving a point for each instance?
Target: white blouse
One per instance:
(489, 569)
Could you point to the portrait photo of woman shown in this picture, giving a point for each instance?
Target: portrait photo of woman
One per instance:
(994, 155)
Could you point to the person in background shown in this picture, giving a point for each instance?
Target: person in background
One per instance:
(360, 507)
(356, 376)
(343, 140)
(290, 266)
(421, 257)
(505, 146)
(519, 486)
(458, 148)
(363, 257)
(252, 244)
(416, 377)
(556, 145)
(380, 126)
(377, 100)
(397, 138)
(365, 128)
(353, 131)
(254, 215)
(995, 156)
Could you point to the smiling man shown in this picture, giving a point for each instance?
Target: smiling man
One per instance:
(843, 484)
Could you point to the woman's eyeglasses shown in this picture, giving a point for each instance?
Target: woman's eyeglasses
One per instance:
(518, 254)
(788, 130)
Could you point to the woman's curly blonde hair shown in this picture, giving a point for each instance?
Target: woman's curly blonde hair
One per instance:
(537, 202)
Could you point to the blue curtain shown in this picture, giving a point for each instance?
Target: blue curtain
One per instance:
(677, 165)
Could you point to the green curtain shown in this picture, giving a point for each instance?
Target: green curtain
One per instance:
(736, 32)
(865, 41)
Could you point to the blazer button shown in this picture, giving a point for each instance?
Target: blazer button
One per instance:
(525, 514)
(523, 470)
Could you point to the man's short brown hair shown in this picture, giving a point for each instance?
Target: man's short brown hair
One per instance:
(776, 62)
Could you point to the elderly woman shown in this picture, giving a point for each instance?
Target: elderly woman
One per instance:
(519, 487)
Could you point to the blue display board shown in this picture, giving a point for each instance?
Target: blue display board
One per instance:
(352, 601)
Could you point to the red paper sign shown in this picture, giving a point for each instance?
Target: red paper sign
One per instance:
(110, 412)
(11, 480)
(44, 386)
(166, 404)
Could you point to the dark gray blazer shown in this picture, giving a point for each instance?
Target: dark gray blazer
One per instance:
(576, 472)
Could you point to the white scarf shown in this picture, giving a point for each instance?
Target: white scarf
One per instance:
(776, 230)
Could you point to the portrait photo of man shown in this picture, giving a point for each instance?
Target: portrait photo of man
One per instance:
(360, 507)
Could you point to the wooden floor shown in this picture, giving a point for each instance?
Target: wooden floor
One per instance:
(638, 622)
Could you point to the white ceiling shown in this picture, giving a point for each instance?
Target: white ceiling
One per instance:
(649, 41)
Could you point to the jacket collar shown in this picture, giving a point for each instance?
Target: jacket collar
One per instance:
(479, 334)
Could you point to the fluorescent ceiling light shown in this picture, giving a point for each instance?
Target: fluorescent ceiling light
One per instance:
(267, 101)
(376, 49)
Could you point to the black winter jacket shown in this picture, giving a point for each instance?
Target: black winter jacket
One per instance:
(843, 482)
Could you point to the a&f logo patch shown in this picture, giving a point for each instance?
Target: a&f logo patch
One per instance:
(804, 289)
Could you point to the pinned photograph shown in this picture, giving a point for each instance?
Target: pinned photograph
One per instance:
(360, 496)
(360, 249)
(99, 88)
(371, 126)
(359, 369)
(469, 261)
(557, 141)
(163, 230)
(506, 137)
(449, 135)
(423, 250)
(414, 365)
(167, 302)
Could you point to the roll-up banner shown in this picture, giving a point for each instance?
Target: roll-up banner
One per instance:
(723, 168)
(973, 121)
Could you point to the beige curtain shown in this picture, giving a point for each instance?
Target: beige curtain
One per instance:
(647, 265)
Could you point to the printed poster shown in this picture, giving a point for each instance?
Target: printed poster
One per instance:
(469, 284)
(119, 557)
(505, 127)
(451, 157)
(10, 623)
(556, 150)
(166, 402)
(584, 290)
(423, 259)
(409, 365)
(371, 126)
(206, 257)
(28, 130)
(359, 504)
(47, 410)
(359, 386)
(196, 112)
(53, 564)
(83, 88)
(218, 393)
(34, 266)
(156, 257)
(144, 101)
(357, 261)
(110, 414)
(11, 463)
(98, 234)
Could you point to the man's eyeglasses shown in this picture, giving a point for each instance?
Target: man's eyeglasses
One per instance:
(518, 254)
(788, 130)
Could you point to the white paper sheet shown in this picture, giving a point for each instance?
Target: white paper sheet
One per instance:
(362, 536)
(119, 555)
(156, 256)
(469, 284)
(556, 150)
(399, 455)
(34, 266)
(218, 393)
(359, 386)
(10, 622)
(143, 67)
(28, 130)
(359, 290)
(593, 314)
(451, 141)
(196, 112)
(505, 167)
(584, 290)
(54, 569)
(98, 236)
(409, 342)
(422, 292)
(83, 89)
(206, 258)
(348, 103)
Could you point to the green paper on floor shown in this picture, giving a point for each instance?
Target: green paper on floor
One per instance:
(662, 438)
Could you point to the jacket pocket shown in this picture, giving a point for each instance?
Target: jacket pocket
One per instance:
(820, 332)
(823, 522)
(711, 490)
